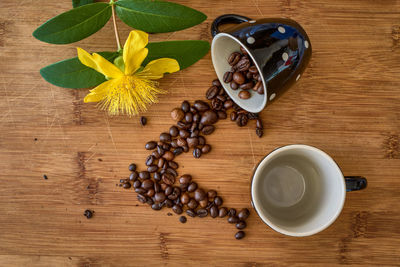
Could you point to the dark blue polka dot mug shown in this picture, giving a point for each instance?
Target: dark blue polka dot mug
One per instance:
(280, 49)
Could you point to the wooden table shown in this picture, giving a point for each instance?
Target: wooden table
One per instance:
(347, 103)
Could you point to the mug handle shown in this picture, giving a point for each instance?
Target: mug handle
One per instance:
(224, 19)
(354, 183)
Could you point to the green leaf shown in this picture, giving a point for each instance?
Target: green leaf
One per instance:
(71, 73)
(74, 25)
(78, 3)
(185, 52)
(157, 16)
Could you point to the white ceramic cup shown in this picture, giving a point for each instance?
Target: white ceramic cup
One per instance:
(299, 190)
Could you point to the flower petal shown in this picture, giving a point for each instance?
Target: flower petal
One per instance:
(156, 68)
(99, 63)
(99, 93)
(135, 51)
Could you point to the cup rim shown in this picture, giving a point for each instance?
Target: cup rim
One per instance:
(265, 100)
(264, 218)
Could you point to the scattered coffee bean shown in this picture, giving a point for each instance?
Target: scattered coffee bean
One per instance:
(239, 235)
(132, 167)
(212, 92)
(185, 179)
(126, 186)
(197, 152)
(143, 120)
(241, 225)
(168, 155)
(243, 214)
(137, 184)
(144, 175)
(228, 76)
(157, 176)
(205, 149)
(201, 106)
(177, 209)
(209, 129)
(211, 194)
(191, 213)
(244, 94)
(192, 187)
(149, 160)
(222, 212)
(232, 212)
(156, 206)
(177, 151)
(259, 132)
(241, 120)
(216, 83)
(150, 145)
(233, 116)
(202, 213)
(233, 219)
(168, 178)
(88, 214)
(182, 219)
(185, 198)
(150, 192)
(177, 114)
(173, 164)
(141, 198)
(140, 191)
(238, 78)
(192, 204)
(218, 201)
(213, 211)
(147, 184)
(203, 203)
(234, 86)
(185, 106)
(133, 176)
(165, 137)
(168, 203)
(199, 194)
(173, 131)
(192, 142)
(45, 177)
(234, 58)
(159, 197)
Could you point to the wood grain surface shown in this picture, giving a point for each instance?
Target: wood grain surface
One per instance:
(347, 103)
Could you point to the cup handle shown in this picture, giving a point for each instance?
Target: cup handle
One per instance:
(224, 19)
(354, 183)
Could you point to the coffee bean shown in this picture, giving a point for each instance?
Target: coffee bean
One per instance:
(205, 149)
(143, 120)
(161, 162)
(252, 116)
(192, 204)
(168, 203)
(156, 206)
(157, 176)
(132, 167)
(241, 120)
(241, 225)
(233, 116)
(141, 198)
(195, 133)
(183, 187)
(232, 212)
(182, 125)
(149, 201)
(209, 129)
(202, 213)
(243, 64)
(191, 213)
(177, 151)
(259, 123)
(218, 201)
(147, 184)
(253, 69)
(152, 168)
(244, 95)
(261, 90)
(157, 187)
(165, 137)
(233, 219)
(185, 179)
(216, 83)
(209, 117)
(168, 155)
(126, 186)
(174, 143)
(177, 114)
(182, 219)
(239, 235)
(234, 86)
(166, 146)
(202, 140)
(238, 78)
(199, 194)
(211, 194)
(243, 50)
(173, 164)
(133, 176)
(222, 115)
(192, 142)
(177, 209)
(181, 141)
(185, 148)
(185, 198)
(159, 197)
(188, 117)
(234, 58)
(246, 86)
(155, 154)
(196, 117)
(123, 181)
(168, 178)
(243, 214)
(257, 86)
(149, 160)
(203, 203)
(171, 171)
(137, 184)
(222, 212)
(144, 175)
(217, 104)
(197, 153)
(150, 192)
(173, 131)
(140, 191)
(185, 106)
(228, 76)
(168, 191)
(212, 92)
(184, 134)
(249, 75)
(201, 105)
(160, 150)
(259, 132)
(213, 211)
(175, 193)
(192, 187)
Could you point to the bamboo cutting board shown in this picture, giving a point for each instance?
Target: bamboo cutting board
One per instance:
(347, 103)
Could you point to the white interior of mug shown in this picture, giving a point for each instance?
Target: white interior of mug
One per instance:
(298, 190)
(223, 45)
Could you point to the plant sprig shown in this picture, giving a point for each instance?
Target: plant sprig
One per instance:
(86, 18)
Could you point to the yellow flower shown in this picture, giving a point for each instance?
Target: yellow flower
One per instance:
(130, 90)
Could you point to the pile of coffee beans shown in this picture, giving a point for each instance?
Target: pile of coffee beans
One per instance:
(160, 185)
(243, 75)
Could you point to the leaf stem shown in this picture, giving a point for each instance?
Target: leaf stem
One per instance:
(116, 28)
